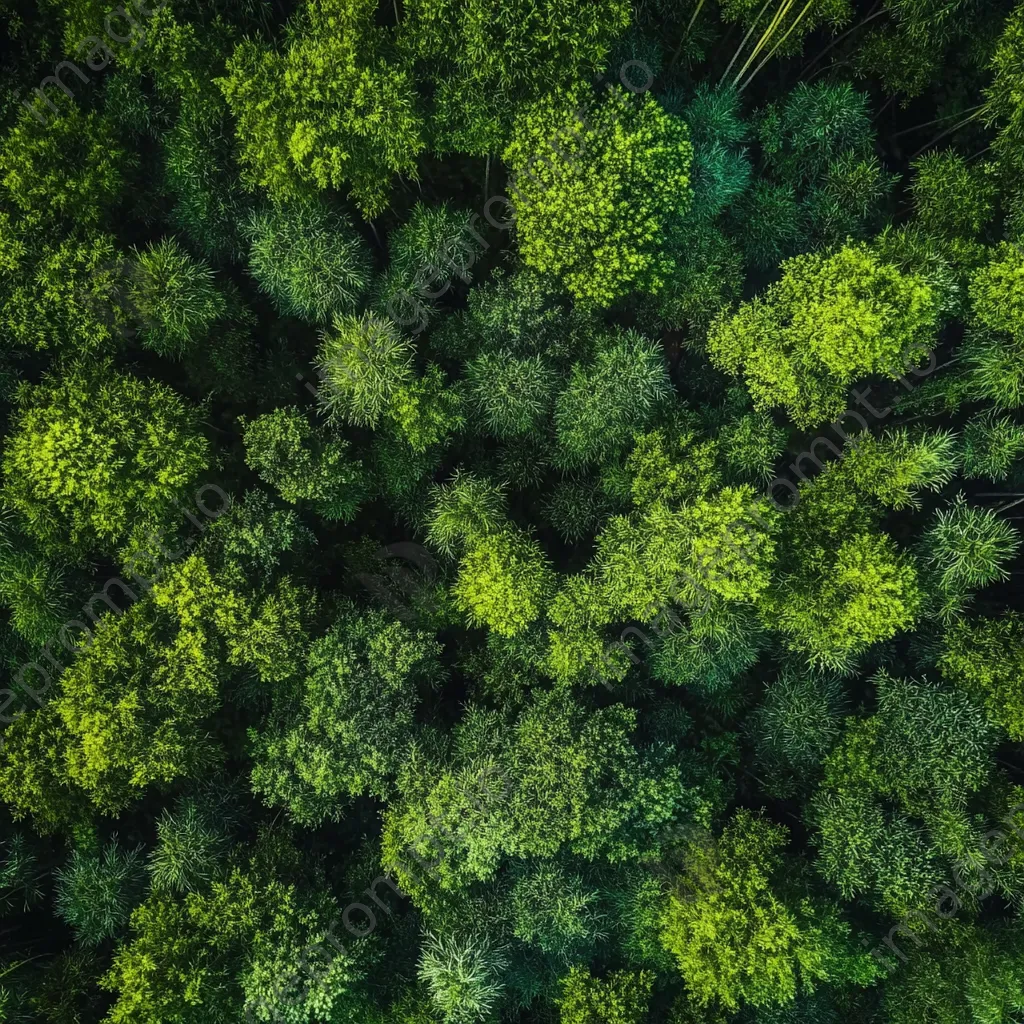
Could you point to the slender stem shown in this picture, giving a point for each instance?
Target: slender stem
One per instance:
(1006, 508)
(220, 430)
(827, 67)
(686, 32)
(938, 120)
(949, 131)
(765, 36)
(693, 18)
(21, 963)
(739, 49)
(487, 178)
(874, 13)
(776, 47)
(884, 107)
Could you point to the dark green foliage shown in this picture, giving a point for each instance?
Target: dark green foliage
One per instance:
(822, 182)
(965, 550)
(983, 656)
(556, 911)
(34, 589)
(174, 298)
(96, 891)
(192, 843)
(462, 511)
(20, 876)
(256, 532)
(308, 259)
(304, 463)
(797, 723)
(209, 206)
(607, 400)
(891, 807)
(346, 728)
(575, 509)
(480, 807)
(974, 978)
(253, 944)
(710, 650)
(513, 394)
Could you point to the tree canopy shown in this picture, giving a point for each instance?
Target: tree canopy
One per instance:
(510, 512)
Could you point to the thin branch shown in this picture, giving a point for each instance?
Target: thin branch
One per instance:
(874, 13)
(884, 107)
(776, 47)
(739, 49)
(21, 963)
(949, 131)
(938, 120)
(1012, 504)
(828, 67)
(780, 14)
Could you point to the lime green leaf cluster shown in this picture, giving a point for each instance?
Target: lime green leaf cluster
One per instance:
(596, 190)
(830, 321)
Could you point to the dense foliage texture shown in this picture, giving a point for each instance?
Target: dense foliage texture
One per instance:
(509, 512)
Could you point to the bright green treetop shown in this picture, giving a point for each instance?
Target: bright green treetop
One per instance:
(332, 109)
(94, 453)
(830, 321)
(596, 191)
(736, 936)
(69, 168)
(621, 998)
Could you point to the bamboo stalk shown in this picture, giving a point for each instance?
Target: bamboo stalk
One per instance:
(949, 131)
(776, 47)
(780, 14)
(874, 13)
(1006, 508)
(693, 18)
(686, 32)
(739, 49)
(938, 120)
